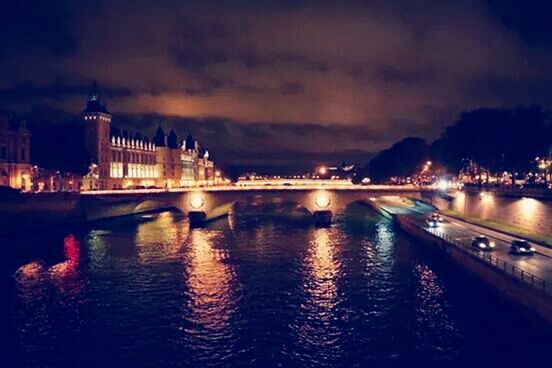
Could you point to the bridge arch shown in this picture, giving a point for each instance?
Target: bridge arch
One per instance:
(211, 204)
(149, 205)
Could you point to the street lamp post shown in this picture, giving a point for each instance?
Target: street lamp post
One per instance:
(544, 164)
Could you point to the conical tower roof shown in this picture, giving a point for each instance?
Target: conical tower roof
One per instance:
(94, 102)
(159, 138)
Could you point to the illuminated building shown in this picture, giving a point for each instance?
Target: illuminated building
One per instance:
(169, 164)
(15, 164)
(46, 180)
(123, 159)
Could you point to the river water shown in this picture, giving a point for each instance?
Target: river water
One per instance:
(249, 291)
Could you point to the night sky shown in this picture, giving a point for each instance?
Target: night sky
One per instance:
(277, 82)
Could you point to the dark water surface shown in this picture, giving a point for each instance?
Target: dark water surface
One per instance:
(249, 291)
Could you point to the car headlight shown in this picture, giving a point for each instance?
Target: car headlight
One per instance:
(523, 249)
(532, 249)
(491, 244)
(482, 245)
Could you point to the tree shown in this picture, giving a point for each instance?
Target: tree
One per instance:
(401, 159)
(497, 139)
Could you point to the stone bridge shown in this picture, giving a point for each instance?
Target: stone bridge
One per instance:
(26, 211)
(210, 203)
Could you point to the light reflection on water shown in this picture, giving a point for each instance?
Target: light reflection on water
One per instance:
(321, 283)
(210, 297)
(248, 292)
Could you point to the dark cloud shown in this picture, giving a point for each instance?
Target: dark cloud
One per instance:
(511, 89)
(191, 58)
(27, 24)
(305, 76)
(392, 74)
(58, 90)
(291, 88)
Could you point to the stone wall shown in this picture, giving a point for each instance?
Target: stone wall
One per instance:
(527, 213)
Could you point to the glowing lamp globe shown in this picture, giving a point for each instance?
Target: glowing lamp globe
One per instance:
(196, 202)
(322, 200)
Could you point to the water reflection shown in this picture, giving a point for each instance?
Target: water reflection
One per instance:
(71, 251)
(30, 280)
(161, 237)
(385, 236)
(323, 269)
(65, 275)
(319, 336)
(262, 293)
(378, 254)
(30, 272)
(432, 314)
(35, 281)
(209, 279)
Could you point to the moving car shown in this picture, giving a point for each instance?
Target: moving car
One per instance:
(522, 247)
(432, 223)
(482, 242)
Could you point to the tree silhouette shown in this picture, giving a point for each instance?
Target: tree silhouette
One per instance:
(401, 159)
(496, 139)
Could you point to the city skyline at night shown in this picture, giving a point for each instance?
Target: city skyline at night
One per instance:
(275, 183)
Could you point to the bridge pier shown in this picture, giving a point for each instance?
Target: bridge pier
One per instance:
(197, 218)
(322, 218)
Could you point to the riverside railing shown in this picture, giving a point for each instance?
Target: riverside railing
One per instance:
(517, 273)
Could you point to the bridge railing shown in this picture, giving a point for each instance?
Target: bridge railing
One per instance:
(329, 185)
(515, 272)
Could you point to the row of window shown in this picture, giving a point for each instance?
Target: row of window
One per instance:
(4, 153)
(132, 171)
(92, 117)
(133, 157)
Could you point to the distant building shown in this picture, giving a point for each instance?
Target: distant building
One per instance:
(14, 153)
(169, 164)
(46, 180)
(122, 159)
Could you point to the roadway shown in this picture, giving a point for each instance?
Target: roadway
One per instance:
(538, 264)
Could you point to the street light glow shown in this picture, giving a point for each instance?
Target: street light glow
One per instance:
(322, 200)
(196, 202)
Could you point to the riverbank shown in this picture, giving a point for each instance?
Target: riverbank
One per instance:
(24, 212)
(516, 285)
(522, 289)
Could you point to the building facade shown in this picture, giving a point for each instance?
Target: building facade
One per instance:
(48, 180)
(124, 160)
(15, 166)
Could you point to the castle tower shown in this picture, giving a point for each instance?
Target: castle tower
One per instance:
(97, 128)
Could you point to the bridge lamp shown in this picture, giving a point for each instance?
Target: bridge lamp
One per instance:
(322, 200)
(443, 184)
(196, 202)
